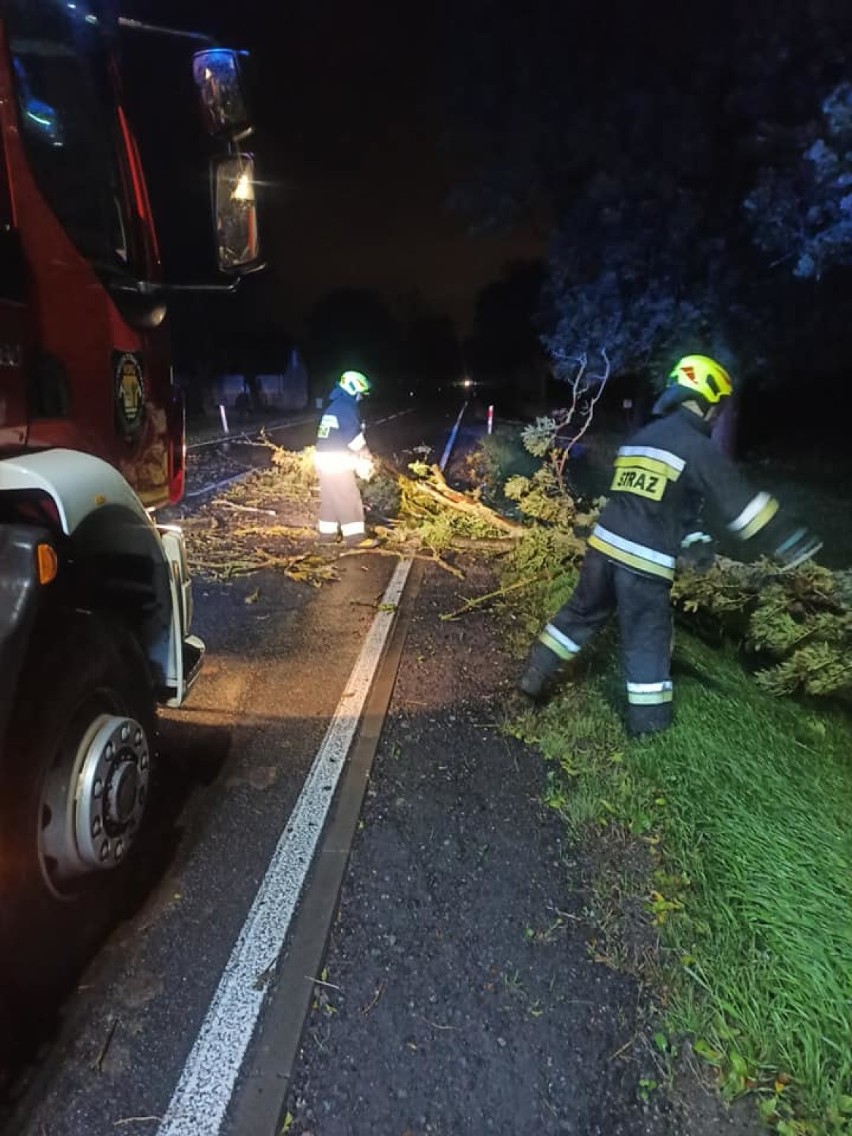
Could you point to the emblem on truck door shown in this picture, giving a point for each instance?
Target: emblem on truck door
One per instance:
(129, 391)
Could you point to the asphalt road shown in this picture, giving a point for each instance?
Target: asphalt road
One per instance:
(458, 993)
(242, 748)
(235, 760)
(462, 996)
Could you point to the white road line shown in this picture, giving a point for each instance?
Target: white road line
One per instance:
(219, 484)
(391, 417)
(451, 441)
(207, 1082)
(206, 1085)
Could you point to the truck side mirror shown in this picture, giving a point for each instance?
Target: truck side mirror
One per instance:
(223, 101)
(237, 242)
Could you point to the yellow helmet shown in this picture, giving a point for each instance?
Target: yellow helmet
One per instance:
(703, 376)
(354, 383)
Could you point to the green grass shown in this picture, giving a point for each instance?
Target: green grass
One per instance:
(746, 804)
(741, 814)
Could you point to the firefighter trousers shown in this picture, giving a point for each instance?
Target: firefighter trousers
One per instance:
(643, 609)
(340, 508)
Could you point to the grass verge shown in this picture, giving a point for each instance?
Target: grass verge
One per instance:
(742, 812)
(732, 829)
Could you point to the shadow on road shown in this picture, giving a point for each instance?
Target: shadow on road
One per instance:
(50, 951)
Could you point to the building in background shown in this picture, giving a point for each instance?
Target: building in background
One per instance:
(263, 391)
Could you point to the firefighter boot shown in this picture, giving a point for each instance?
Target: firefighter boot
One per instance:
(540, 673)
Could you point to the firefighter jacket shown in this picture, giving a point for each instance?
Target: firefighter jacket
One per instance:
(340, 436)
(661, 477)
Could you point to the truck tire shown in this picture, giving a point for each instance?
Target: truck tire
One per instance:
(74, 781)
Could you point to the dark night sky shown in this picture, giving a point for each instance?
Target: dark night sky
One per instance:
(348, 146)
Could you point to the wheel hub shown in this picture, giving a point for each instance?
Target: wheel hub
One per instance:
(104, 801)
(112, 788)
(122, 793)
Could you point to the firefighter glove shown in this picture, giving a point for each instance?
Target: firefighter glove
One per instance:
(364, 467)
(697, 552)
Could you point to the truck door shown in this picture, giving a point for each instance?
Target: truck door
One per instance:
(13, 314)
(99, 381)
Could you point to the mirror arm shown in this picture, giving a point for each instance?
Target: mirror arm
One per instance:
(231, 286)
(159, 29)
(145, 290)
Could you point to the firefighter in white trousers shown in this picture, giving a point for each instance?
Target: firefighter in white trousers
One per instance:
(341, 456)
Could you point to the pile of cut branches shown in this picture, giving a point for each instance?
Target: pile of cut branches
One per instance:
(796, 626)
(219, 551)
(264, 522)
(442, 518)
(267, 521)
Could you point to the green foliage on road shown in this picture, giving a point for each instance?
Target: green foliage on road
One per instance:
(794, 628)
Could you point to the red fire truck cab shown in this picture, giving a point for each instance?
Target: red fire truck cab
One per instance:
(95, 604)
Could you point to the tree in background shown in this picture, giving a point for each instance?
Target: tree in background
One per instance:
(432, 355)
(353, 329)
(637, 146)
(504, 352)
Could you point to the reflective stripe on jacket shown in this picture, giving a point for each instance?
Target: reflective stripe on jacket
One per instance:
(660, 478)
(340, 426)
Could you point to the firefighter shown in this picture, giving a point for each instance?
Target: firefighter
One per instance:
(341, 455)
(660, 479)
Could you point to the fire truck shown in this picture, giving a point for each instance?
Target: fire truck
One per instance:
(95, 601)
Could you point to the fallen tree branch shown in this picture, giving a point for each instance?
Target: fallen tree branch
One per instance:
(471, 605)
(484, 544)
(400, 553)
(439, 491)
(303, 568)
(245, 508)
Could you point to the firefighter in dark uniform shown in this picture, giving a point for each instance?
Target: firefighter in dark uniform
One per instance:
(341, 455)
(661, 477)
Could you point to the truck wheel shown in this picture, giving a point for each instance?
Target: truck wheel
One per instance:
(74, 783)
(77, 765)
